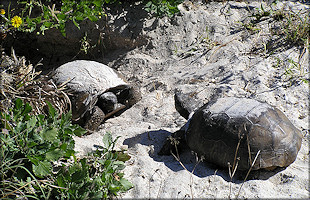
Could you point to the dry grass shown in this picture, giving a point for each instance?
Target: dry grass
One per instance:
(21, 80)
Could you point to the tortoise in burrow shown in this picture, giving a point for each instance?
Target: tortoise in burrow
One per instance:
(233, 130)
(97, 91)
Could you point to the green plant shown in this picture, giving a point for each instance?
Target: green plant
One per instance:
(294, 73)
(256, 17)
(251, 27)
(96, 176)
(39, 16)
(162, 8)
(295, 27)
(291, 25)
(260, 14)
(38, 159)
(36, 15)
(287, 28)
(86, 44)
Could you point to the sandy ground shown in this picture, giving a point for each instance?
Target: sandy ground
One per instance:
(204, 47)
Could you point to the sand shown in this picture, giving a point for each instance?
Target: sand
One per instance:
(203, 47)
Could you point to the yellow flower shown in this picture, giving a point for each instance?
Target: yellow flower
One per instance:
(16, 21)
(2, 11)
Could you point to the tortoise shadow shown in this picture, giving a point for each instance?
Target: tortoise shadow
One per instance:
(188, 160)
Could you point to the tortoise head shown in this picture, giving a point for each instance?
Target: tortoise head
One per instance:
(127, 95)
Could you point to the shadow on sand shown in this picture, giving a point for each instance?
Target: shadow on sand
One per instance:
(190, 161)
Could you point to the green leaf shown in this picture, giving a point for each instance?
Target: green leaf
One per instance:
(50, 135)
(75, 23)
(98, 3)
(43, 168)
(27, 109)
(48, 24)
(78, 176)
(33, 160)
(107, 163)
(37, 20)
(70, 152)
(79, 18)
(61, 181)
(62, 28)
(31, 144)
(65, 119)
(107, 140)
(79, 131)
(122, 156)
(126, 184)
(61, 16)
(20, 126)
(118, 165)
(51, 109)
(31, 122)
(40, 119)
(114, 188)
(92, 18)
(54, 155)
(18, 104)
(148, 4)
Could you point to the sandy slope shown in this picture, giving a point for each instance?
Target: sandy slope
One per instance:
(182, 51)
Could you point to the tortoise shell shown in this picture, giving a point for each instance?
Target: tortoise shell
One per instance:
(233, 130)
(92, 84)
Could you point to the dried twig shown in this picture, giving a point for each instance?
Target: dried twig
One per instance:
(248, 173)
(18, 80)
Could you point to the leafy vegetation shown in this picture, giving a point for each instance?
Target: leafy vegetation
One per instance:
(39, 16)
(43, 15)
(162, 8)
(38, 160)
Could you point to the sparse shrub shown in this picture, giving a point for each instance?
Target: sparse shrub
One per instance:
(287, 28)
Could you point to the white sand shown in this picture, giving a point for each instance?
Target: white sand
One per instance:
(170, 63)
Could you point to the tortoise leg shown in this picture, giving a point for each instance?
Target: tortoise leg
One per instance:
(175, 143)
(94, 119)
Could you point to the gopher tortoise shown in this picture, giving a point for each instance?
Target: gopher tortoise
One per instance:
(96, 91)
(231, 132)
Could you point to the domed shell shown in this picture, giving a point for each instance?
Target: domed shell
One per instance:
(87, 80)
(233, 130)
(88, 76)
